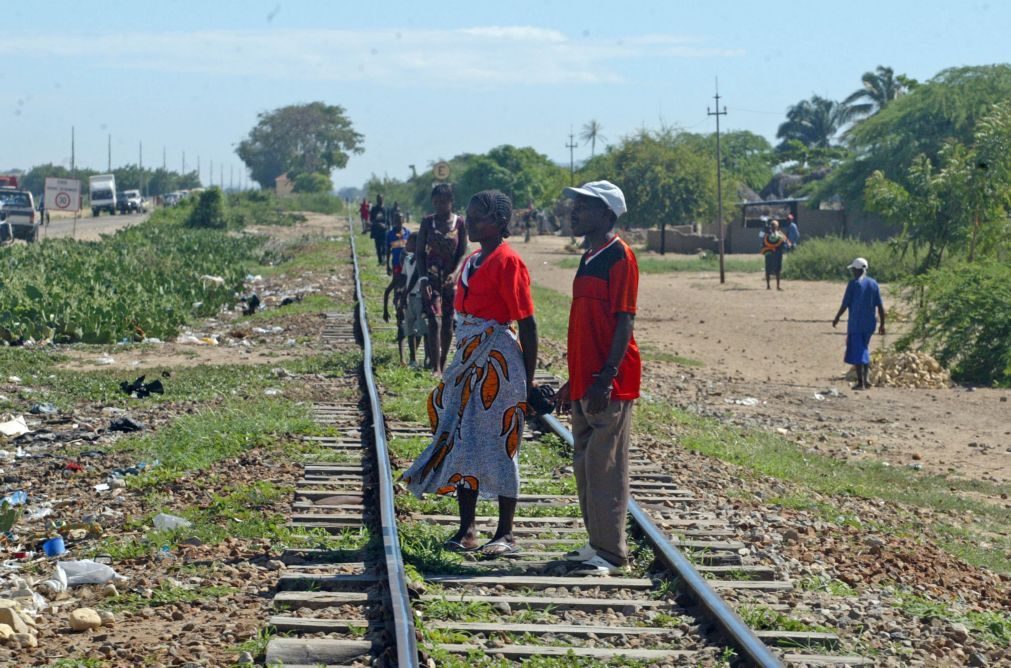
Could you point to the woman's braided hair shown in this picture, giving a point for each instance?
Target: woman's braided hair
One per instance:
(496, 204)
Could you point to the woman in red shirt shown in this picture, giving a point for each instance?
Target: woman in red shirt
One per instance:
(477, 411)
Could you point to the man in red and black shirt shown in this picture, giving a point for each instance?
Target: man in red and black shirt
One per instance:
(604, 374)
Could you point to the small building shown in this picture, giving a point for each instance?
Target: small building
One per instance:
(283, 185)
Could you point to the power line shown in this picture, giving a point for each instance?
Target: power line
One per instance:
(719, 173)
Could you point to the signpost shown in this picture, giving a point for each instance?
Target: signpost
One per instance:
(441, 170)
(63, 195)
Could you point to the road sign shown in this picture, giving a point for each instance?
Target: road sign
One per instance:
(62, 194)
(441, 170)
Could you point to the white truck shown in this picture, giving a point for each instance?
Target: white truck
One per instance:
(102, 188)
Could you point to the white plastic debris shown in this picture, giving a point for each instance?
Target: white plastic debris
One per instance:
(105, 361)
(14, 427)
(216, 281)
(81, 572)
(13, 379)
(165, 521)
(272, 392)
(746, 401)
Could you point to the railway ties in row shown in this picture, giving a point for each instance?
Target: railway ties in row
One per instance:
(338, 608)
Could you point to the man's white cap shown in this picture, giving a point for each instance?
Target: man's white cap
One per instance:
(858, 263)
(605, 190)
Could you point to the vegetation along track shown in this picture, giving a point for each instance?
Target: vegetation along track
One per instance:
(367, 604)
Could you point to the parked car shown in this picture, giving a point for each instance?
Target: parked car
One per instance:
(19, 213)
(130, 201)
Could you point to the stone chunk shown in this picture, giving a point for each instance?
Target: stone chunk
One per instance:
(83, 619)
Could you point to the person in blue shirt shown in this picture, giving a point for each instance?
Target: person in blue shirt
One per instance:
(862, 298)
(396, 240)
(792, 233)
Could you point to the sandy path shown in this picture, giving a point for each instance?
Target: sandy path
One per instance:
(780, 347)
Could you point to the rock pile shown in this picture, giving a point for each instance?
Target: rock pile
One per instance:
(908, 369)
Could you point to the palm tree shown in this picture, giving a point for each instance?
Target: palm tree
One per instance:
(814, 123)
(879, 88)
(590, 134)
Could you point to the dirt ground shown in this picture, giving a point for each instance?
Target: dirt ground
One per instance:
(780, 348)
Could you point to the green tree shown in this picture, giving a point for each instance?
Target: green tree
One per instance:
(299, 139)
(947, 107)
(746, 157)
(590, 134)
(522, 173)
(814, 122)
(666, 179)
(963, 203)
(879, 88)
(313, 183)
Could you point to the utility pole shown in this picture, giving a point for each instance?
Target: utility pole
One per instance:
(231, 176)
(719, 174)
(73, 156)
(140, 165)
(199, 182)
(572, 160)
(184, 163)
(110, 153)
(164, 164)
(221, 175)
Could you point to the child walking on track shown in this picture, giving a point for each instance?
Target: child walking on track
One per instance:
(604, 375)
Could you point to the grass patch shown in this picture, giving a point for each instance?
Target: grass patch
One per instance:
(827, 584)
(311, 304)
(308, 255)
(197, 441)
(652, 355)
(771, 455)
(761, 618)
(993, 627)
(166, 594)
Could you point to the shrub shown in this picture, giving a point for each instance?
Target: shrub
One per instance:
(826, 259)
(962, 315)
(313, 183)
(209, 211)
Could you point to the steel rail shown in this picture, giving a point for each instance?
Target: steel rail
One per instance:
(733, 627)
(403, 617)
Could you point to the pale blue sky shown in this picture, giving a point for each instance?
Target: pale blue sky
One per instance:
(424, 80)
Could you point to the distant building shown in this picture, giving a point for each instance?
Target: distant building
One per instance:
(283, 185)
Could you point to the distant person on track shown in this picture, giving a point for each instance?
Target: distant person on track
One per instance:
(397, 286)
(478, 410)
(862, 298)
(792, 233)
(442, 244)
(604, 375)
(396, 239)
(363, 211)
(415, 325)
(378, 220)
(774, 245)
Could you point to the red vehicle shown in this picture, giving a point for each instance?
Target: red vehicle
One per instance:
(8, 181)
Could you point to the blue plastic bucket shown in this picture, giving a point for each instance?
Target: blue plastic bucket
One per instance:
(54, 547)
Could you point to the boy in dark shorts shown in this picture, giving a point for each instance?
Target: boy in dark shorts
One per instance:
(397, 286)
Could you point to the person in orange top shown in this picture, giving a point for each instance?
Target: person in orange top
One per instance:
(478, 410)
(604, 375)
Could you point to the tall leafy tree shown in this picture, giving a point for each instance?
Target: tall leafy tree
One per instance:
(878, 89)
(299, 139)
(814, 122)
(590, 134)
(947, 107)
(962, 203)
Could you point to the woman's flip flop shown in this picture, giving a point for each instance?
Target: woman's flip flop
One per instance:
(499, 548)
(456, 546)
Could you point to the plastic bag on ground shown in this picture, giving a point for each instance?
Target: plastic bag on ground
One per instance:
(87, 571)
(164, 521)
(15, 427)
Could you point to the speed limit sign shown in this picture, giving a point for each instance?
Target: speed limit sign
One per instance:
(441, 170)
(63, 194)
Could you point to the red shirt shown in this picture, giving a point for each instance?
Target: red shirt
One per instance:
(498, 289)
(606, 284)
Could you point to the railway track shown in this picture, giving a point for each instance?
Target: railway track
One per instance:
(356, 605)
